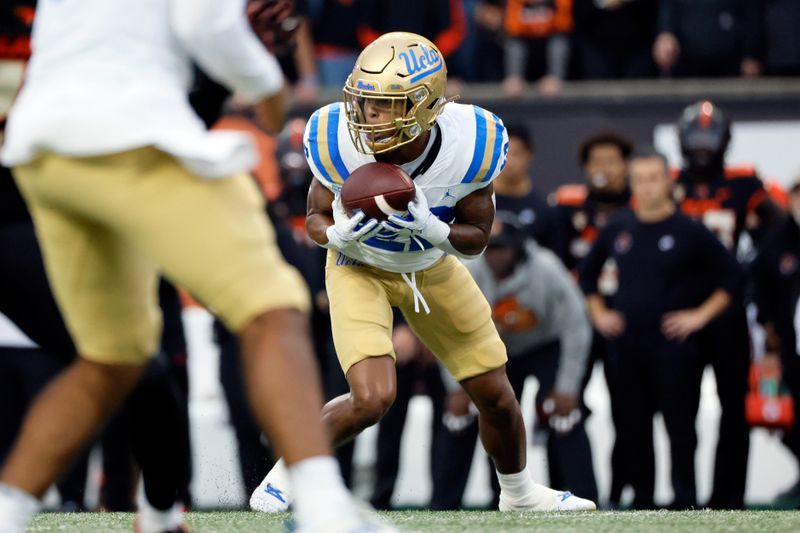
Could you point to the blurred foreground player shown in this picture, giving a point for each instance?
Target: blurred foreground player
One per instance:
(122, 180)
(730, 201)
(394, 111)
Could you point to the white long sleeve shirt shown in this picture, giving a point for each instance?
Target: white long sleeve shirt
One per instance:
(112, 75)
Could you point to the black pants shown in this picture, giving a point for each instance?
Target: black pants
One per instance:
(412, 378)
(23, 373)
(662, 377)
(725, 344)
(569, 456)
(159, 433)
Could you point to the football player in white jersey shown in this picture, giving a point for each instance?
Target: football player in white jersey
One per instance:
(124, 182)
(394, 111)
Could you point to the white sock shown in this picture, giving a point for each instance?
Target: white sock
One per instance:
(17, 507)
(319, 492)
(151, 520)
(516, 486)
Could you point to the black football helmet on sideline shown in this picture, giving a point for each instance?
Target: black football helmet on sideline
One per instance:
(704, 133)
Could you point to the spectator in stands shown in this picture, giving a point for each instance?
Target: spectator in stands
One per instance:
(480, 56)
(712, 38)
(614, 38)
(335, 25)
(295, 55)
(441, 21)
(782, 40)
(541, 318)
(730, 201)
(538, 47)
(305, 74)
(674, 278)
(515, 191)
(776, 276)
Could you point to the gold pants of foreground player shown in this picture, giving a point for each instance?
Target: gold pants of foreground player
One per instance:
(107, 225)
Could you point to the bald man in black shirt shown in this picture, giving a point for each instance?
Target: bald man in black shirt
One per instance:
(674, 279)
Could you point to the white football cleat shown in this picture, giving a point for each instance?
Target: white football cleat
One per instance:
(547, 499)
(274, 494)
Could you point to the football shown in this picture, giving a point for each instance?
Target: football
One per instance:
(379, 190)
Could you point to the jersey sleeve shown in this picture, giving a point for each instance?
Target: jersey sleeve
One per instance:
(322, 148)
(489, 150)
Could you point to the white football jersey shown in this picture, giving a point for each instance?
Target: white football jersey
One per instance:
(467, 154)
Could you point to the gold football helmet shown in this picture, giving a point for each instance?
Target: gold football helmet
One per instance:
(395, 92)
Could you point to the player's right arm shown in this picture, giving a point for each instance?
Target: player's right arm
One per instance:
(330, 226)
(319, 212)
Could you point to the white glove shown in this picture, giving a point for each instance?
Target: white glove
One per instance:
(345, 231)
(561, 424)
(423, 223)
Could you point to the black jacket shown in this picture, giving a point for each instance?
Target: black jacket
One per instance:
(715, 35)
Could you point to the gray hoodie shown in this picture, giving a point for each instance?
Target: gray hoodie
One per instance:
(543, 304)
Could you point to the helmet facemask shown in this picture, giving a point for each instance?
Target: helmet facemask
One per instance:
(409, 114)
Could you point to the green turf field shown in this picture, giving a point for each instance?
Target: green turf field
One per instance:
(461, 522)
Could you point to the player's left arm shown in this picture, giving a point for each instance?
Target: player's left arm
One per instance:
(466, 237)
(474, 213)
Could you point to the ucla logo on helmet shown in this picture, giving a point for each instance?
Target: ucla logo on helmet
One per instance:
(368, 85)
(424, 63)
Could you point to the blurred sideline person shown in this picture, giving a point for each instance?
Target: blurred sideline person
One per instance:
(675, 278)
(122, 180)
(582, 211)
(731, 202)
(515, 190)
(776, 280)
(453, 152)
(541, 317)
